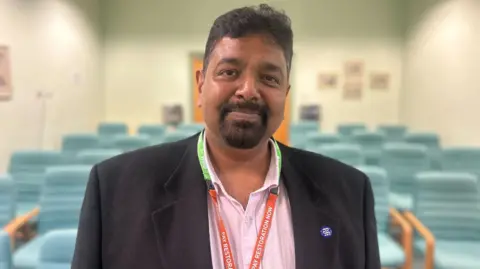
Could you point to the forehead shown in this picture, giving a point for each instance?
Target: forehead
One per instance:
(250, 48)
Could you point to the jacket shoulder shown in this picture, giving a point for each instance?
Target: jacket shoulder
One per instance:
(323, 169)
(158, 162)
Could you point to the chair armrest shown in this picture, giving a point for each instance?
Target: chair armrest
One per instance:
(427, 235)
(407, 235)
(19, 222)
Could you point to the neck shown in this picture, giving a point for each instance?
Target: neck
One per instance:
(225, 157)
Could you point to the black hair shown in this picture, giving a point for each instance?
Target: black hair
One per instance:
(244, 21)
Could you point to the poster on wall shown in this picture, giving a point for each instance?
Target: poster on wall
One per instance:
(327, 81)
(354, 68)
(5, 78)
(352, 90)
(379, 81)
(311, 112)
(173, 114)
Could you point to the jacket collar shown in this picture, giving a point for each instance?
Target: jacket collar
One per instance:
(181, 219)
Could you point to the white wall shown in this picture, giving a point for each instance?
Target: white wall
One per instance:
(148, 45)
(55, 47)
(442, 63)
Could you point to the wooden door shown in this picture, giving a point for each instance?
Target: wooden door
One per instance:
(282, 134)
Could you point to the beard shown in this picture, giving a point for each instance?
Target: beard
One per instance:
(248, 129)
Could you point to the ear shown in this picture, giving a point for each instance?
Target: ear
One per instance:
(200, 78)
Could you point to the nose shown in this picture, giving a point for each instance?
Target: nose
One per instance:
(248, 88)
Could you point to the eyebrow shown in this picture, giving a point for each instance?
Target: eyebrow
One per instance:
(233, 61)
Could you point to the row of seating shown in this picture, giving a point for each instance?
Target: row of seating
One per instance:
(60, 203)
(445, 216)
(55, 252)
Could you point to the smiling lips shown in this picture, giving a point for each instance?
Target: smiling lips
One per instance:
(244, 114)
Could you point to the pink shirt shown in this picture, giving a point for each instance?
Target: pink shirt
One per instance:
(243, 225)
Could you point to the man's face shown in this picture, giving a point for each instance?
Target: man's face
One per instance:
(243, 90)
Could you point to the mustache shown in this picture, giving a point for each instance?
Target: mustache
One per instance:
(250, 106)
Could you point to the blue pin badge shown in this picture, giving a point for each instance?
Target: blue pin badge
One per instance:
(326, 231)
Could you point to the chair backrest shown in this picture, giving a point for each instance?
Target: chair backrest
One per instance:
(350, 154)
(393, 132)
(348, 129)
(299, 131)
(369, 140)
(448, 203)
(461, 160)
(316, 139)
(152, 130)
(175, 136)
(190, 128)
(7, 200)
(380, 186)
(62, 197)
(95, 156)
(129, 143)
(57, 250)
(27, 169)
(430, 140)
(5, 251)
(110, 129)
(76, 142)
(402, 161)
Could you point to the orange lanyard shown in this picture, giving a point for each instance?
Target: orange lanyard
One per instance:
(259, 250)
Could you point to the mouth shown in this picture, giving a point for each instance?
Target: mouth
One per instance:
(244, 115)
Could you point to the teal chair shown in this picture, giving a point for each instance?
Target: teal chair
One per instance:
(432, 142)
(371, 144)
(190, 128)
(316, 139)
(461, 159)
(95, 156)
(60, 206)
(350, 154)
(299, 131)
(108, 130)
(7, 200)
(27, 169)
(402, 161)
(58, 249)
(348, 129)
(130, 143)
(393, 132)
(154, 131)
(391, 253)
(74, 143)
(447, 205)
(175, 136)
(5, 251)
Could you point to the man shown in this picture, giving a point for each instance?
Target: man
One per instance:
(231, 197)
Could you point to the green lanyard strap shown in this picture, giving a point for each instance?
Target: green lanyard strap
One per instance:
(206, 174)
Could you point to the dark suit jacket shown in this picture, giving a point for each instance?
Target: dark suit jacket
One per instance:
(147, 209)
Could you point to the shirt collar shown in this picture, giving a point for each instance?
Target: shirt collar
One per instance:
(271, 179)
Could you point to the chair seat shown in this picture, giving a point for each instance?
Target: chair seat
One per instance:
(26, 257)
(402, 202)
(391, 254)
(453, 254)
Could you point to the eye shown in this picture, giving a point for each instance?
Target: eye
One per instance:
(228, 73)
(271, 79)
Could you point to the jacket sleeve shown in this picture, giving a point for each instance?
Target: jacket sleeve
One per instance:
(89, 243)
(372, 259)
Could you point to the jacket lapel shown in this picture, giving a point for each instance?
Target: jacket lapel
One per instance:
(314, 248)
(181, 219)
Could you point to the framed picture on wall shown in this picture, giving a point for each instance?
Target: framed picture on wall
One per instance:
(327, 81)
(379, 81)
(354, 68)
(352, 90)
(5, 75)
